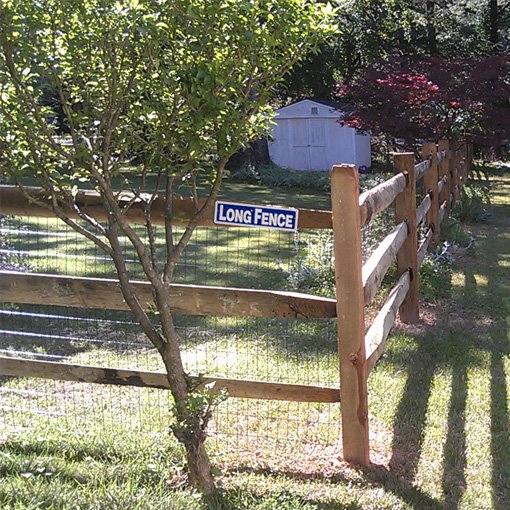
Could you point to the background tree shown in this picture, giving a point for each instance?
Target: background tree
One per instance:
(179, 84)
(367, 31)
(374, 31)
(434, 98)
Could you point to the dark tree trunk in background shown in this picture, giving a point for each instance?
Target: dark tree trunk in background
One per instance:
(431, 29)
(256, 154)
(493, 26)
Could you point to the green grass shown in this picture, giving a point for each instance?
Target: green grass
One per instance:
(439, 402)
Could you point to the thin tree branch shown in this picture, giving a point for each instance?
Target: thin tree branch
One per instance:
(195, 220)
(127, 291)
(115, 211)
(169, 234)
(58, 211)
(152, 238)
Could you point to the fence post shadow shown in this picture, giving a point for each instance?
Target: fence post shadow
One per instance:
(454, 458)
(500, 423)
(499, 348)
(410, 419)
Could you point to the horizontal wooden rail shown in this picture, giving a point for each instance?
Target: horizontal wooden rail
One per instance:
(13, 201)
(235, 387)
(441, 183)
(185, 299)
(378, 264)
(422, 250)
(423, 208)
(377, 335)
(421, 169)
(442, 212)
(377, 199)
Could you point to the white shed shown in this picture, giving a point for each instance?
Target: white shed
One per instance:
(309, 135)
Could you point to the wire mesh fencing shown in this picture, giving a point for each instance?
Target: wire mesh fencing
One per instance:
(255, 348)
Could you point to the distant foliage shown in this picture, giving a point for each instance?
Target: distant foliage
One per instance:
(433, 98)
(314, 270)
(280, 177)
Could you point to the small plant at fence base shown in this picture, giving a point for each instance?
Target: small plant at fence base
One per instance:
(191, 418)
(314, 270)
(157, 80)
(471, 206)
(436, 273)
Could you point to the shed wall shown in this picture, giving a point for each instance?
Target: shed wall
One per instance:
(303, 141)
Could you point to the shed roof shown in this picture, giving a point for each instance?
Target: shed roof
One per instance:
(299, 108)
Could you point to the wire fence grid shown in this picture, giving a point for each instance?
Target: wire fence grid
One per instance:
(264, 349)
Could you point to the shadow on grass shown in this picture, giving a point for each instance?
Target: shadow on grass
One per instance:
(472, 333)
(500, 425)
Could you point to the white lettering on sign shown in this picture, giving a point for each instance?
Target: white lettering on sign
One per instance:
(249, 215)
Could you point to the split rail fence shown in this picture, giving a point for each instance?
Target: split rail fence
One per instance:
(444, 170)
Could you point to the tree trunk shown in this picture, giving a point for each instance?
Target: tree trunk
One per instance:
(431, 29)
(191, 424)
(493, 27)
(199, 469)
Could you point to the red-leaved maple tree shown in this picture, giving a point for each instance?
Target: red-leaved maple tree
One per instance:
(433, 98)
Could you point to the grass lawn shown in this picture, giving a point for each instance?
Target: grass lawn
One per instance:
(439, 404)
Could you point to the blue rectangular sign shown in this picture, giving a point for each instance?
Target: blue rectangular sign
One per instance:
(248, 215)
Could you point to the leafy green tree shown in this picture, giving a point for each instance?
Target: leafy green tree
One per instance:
(367, 31)
(181, 84)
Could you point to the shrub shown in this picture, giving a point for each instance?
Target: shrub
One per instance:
(471, 206)
(314, 270)
(453, 232)
(275, 176)
(280, 177)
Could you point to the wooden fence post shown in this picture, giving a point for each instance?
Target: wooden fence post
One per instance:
(466, 162)
(456, 172)
(407, 257)
(444, 173)
(428, 151)
(350, 313)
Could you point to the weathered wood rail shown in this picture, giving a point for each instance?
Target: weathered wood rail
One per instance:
(444, 170)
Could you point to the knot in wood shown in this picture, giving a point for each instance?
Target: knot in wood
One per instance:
(354, 358)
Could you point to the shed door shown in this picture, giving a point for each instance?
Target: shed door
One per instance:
(317, 148)
(309, 144)
(299, 157)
